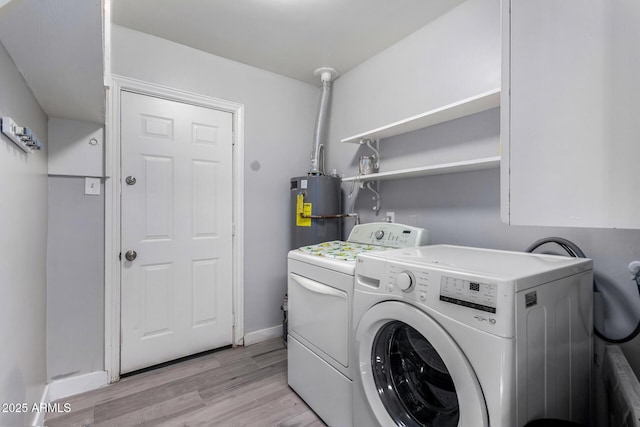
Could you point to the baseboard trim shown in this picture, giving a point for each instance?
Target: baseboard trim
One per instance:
(262, 335)
(65, 387)
(38, 417)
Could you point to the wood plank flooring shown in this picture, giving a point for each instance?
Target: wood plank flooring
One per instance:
(245, 386)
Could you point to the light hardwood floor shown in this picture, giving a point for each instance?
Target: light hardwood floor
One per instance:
(245, 386)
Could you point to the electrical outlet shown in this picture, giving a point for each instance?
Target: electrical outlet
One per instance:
(92, 186)
(390, 217)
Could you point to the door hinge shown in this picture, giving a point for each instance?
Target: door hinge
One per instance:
(233, 320)
(233, 230)
(120, 256)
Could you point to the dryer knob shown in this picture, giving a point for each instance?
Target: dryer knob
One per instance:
(406, 281)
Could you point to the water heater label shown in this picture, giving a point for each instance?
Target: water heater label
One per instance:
(302, 209)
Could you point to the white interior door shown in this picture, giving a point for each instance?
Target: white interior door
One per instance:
(177, 217)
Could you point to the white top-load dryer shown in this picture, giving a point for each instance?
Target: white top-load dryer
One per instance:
(320, 290)
(453, 336)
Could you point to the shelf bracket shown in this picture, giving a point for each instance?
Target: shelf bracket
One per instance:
(369, 165)
(374, 187)
(375, 157)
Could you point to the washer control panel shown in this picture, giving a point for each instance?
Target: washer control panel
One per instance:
(480, 296)
(441, 290)
(467, 293)
(481, 303)
(405, 280)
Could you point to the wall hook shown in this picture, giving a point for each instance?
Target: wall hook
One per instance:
(23, 137)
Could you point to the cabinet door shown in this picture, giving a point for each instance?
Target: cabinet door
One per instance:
(570, 117)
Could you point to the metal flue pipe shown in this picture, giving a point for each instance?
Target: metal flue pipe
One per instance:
(317, 153)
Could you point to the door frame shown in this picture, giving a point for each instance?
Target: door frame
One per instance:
(112, 188)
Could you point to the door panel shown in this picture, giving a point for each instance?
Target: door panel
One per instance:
(177, 217)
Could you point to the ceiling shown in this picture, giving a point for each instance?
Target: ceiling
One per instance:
(57, 44)
(288, 37)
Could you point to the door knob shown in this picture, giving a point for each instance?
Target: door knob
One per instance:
(130, 180)
(131, 255)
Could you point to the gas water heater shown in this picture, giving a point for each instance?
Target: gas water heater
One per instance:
(316, 198)
(315, 207)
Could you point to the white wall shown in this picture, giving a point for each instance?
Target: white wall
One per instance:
(75, 279)
(279, 121)
(449, 59)
(452, 58)
(23, 233)
(76, 148)
(75, 260)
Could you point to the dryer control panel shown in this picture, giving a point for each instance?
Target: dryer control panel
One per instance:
(389, 234)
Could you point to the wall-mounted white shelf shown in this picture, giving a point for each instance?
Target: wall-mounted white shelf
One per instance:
(466, 107)
(439, 169)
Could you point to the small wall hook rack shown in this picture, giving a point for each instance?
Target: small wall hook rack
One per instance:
(23, 137)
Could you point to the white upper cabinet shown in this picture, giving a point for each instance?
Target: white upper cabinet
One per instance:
(570, 118)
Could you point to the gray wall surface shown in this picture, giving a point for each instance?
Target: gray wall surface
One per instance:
(279, 122)
(75, 279)
(23, 234)
(452, 58)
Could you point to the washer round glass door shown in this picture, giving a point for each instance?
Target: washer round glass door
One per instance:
(412, 373)
(413, 382)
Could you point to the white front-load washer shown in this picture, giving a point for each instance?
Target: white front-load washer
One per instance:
(320, 291)
(449, 336)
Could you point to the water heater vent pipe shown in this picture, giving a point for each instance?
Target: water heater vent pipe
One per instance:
(326, 75)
